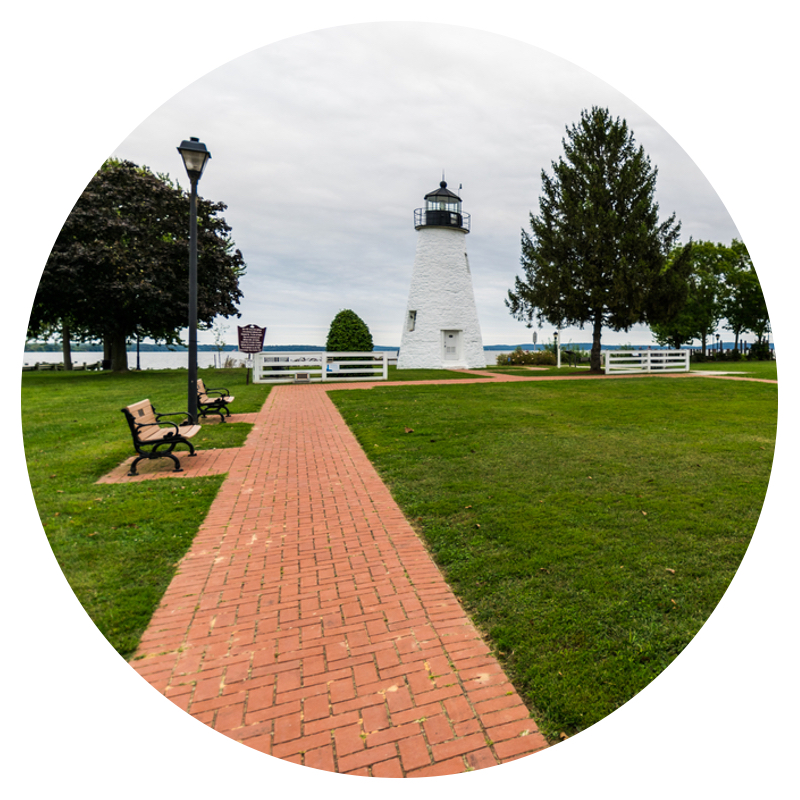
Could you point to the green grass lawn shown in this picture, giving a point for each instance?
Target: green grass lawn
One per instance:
(117, 544)
(590, 528)
(767, 370)
(395, 374)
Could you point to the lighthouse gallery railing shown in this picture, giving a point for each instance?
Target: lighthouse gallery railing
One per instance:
(447, 219)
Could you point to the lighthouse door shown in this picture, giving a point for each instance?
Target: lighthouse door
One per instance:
(451, 345)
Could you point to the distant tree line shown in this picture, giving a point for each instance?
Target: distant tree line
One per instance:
(120, 267)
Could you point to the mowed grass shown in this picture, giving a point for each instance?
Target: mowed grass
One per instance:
(405, 375)
(589, 527)
(118, 544)
(762, 370)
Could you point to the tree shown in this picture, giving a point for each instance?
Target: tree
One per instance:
(120, 264)
(709, 263)
(219, 338)
(722, 286)
(744, 308)
(348, 332)
(597, 252)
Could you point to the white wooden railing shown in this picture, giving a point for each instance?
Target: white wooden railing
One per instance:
(317, 366)
(636, 361)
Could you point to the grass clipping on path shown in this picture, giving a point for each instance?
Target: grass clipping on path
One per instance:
(589, 528)
(118, 545)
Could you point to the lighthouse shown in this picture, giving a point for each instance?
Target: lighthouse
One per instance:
(441, 328)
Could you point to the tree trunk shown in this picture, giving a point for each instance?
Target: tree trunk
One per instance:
(595, 359)
(119, 352)
(66, 345)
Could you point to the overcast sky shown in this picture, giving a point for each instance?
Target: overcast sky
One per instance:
(324, 144)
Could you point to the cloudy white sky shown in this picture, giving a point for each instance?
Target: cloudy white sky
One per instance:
(324, 144)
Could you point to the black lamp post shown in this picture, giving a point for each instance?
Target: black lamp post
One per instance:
(195, 157)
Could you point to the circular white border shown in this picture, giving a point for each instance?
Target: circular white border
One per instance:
(80, 77)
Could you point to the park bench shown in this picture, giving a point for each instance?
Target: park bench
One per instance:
(212, 401)
(153, 438)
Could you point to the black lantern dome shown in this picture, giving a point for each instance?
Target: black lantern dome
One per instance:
(442, 210)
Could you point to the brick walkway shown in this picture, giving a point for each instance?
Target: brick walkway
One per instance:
(309, 622)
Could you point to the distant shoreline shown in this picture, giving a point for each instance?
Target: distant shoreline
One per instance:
(55, 347)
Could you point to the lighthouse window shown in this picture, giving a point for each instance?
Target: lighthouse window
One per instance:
(442, 205)
(412, 320)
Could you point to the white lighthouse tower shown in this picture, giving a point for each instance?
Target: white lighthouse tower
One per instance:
(441, 328)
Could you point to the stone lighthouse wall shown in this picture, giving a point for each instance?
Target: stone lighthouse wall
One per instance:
(446, 332)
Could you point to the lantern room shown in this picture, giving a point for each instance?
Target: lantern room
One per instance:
(442, 210)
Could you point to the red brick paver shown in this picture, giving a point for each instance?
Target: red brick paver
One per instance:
(309, 622)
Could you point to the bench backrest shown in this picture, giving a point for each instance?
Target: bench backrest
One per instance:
(141, 413)
(201, 387)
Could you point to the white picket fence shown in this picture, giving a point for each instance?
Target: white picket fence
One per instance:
(317, 366)
(641, 361)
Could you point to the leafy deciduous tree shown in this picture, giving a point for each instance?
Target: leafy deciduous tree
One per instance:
(120, 263)
(700, 315)
(744, 308)
(722, 286)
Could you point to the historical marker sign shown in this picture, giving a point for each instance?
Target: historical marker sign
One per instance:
(251, 338)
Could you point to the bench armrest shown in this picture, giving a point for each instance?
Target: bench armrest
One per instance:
(217, 390)
(172, 414)
(158, 424)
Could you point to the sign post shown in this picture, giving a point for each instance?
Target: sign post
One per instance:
(557, 338)
(251, 341)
